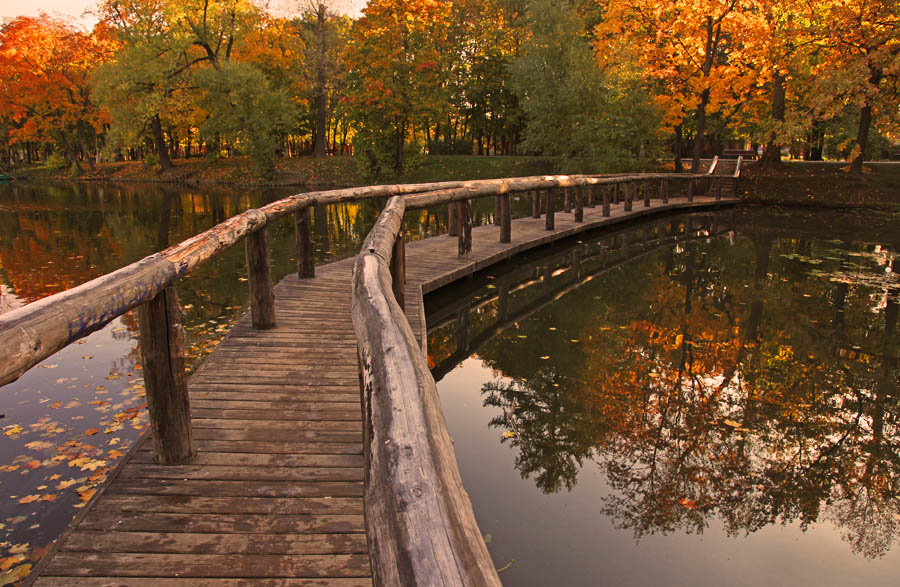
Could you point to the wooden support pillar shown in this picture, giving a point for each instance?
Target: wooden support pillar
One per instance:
(505, 219)
(629, 196)
(567, 205)
(645, 185)
(606, 195)
(453, 219)
(535, 203)
(616, 194)
(306, 266)
(497, 210)
(664, 191)
(576, 263)
(550, 218)
(398, 269)
(592, 195)
(465, 228)
(690, 190)
(259, 277)
(502, 301)
(462, 329)
(579, 203)
(162, 358)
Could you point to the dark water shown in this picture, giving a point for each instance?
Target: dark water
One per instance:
(68, 421)
(715, 404)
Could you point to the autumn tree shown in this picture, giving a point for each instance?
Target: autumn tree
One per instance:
(397, 72)
(692, 51)
(576, 107)
(45, 70)
(861, 65)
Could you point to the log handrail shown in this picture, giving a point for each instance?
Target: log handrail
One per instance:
(420, 525)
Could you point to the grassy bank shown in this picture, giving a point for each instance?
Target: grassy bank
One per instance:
(305, 171)
(826, 185)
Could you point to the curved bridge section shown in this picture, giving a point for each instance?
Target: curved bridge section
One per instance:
(275, 469)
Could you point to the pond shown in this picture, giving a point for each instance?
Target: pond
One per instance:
(700, 400)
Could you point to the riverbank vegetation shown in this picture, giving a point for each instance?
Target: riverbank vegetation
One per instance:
(224, 89)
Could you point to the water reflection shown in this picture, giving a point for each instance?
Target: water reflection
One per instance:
(729, 382)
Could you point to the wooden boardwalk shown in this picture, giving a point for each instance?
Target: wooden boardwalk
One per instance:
(275, 495)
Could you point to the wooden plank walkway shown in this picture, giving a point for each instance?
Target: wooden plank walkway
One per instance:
(274, 496)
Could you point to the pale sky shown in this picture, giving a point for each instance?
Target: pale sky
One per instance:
(76, 8)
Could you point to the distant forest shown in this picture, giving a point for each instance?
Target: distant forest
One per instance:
(617, 83)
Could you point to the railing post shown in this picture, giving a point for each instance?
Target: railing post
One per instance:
(645, 185)
(592, 195)
(505, 219)
(497, 210)
(579, 203)
(664, 191)
(535, 203)
(259, 277)
(629, 195)
(162, 358)
(616, 195)
(465, 228)
(606, 190)
(567, 206)
(398, 269)
(306, 266)
(550, 220)
(453, 219)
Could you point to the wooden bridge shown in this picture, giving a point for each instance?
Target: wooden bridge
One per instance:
(312, 449)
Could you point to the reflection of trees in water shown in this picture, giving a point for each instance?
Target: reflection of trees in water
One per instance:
(731, 384)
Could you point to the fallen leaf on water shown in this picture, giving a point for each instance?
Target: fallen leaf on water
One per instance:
(65, 484)
(91, 431)
(49, 497)
(545, 357)
(30, 498)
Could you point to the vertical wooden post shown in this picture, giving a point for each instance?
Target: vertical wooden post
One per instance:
(398, 269)
(645, 185)
(259, 277)
(616, 195)
(664, 191)
(462, 329)
(453, 219)
(162, 357)
(629, 195)
(579, 203)
(535, 204)
(606, 190)
(550, 220)
(505, 219)
(465, 228)
(502, 301)
(567, 204)
(306, 266)
(690, 190)
(497, 210)
(592, 195)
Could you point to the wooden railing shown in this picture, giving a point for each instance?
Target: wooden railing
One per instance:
(419, 518)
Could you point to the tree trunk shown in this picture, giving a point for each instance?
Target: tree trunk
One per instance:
(772, 155)
(321, 96)
(862, 139)
(159, 141)
(701, 129)
(677, 149)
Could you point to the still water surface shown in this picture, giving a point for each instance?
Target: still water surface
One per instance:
(715, 404)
